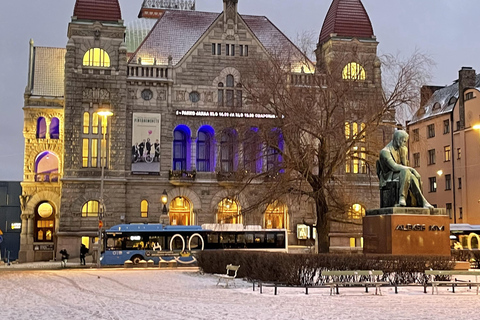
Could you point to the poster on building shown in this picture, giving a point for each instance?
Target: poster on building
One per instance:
(146, 143)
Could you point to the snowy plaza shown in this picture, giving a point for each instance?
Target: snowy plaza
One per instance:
(119, 294)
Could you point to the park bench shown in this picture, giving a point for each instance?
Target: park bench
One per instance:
(230, 275)
(354, 278)
(433, 274)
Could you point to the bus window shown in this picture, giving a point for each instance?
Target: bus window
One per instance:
(259, 238)
(227, 238)
(213, 238)
(270, 238)
(280, 240)
(195, 243)
(249, 237)
(241, 239)
(111, 244)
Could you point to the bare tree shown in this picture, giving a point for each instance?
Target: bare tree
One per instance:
(309, 140)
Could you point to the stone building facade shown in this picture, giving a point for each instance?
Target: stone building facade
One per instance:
(170, 86)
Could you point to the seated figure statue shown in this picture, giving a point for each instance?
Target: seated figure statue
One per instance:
(393, 166)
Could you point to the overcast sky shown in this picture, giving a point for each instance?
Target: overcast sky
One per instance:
(444, 29)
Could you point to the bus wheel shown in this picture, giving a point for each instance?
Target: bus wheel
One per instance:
(136, 259)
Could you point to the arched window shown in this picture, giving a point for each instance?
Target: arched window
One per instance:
(252, 149)
(44, 222)
(41, 128)
(228, 211)
(276, 216)
(181, 137)
(356, 211)
(180, 212)
(227, 151)
(205, 149)
(90, 209)
(231, 96)
(230, 81)
(46, 167)
(144, 209)
(54, 128)
(353, 71)
(96, 57)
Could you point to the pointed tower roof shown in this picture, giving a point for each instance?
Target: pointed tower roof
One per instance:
(97, 10)
(346, 18)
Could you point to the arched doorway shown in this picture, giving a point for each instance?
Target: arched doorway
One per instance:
(181, 212)
(228, 212)
(276, 216)
(44, 222)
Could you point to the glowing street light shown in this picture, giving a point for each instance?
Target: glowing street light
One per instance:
(104, 113)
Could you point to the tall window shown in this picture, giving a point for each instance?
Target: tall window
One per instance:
(227, 151)
(448, 182)
(416, 160)
(91, 141)
(459, 153)
(431, 130)
(448, 206)
(459, 183)
(416, 135)
(44, 222)
(431, 156)
(96, 57)
(274, 151)
(180, 149)
(433, 184)
(41, 128)
(230, 95)
(252, 159)
(447, 153)
(446, 126)
(228, 212)
(204, 150)
(144, 209)
(54, 128)
(356, 157)
(353, 71)
(90, 209)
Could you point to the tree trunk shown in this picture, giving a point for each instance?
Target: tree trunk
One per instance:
(323, 227)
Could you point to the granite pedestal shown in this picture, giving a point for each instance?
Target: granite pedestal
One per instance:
(406, 231)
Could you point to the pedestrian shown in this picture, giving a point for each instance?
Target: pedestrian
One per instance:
(65, 257)
(83, 252)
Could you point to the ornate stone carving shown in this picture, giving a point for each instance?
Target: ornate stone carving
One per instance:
(161, 95)
(180, 95)
(208, 96)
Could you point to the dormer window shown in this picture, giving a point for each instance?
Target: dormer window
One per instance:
(469, 96)
(96, 57)
(353, 71)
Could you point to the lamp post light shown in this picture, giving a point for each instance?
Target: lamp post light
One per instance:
(164, 200)
(104, 113)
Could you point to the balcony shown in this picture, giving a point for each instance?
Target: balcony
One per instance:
(182, 177)
(146, 72)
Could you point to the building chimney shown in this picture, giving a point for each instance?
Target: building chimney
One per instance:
(466, 80)
(426, 92)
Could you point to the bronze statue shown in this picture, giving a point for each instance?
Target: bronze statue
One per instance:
(393, 166)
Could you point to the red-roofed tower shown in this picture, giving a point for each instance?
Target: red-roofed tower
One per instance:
(347, 39)
(97, 10)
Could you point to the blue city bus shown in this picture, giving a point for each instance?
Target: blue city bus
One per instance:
(166, 243)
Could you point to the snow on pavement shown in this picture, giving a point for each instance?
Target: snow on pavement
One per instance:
(119, 294)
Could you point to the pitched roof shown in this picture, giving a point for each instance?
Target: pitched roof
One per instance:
(136, 32)
(176, 32)
(48, 72)
(97, 10)
(346, 18)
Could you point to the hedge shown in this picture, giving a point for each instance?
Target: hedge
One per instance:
(305, 269)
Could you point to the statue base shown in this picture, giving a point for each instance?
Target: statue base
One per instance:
(406, 231)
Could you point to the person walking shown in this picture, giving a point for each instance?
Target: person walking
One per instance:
(83, 252)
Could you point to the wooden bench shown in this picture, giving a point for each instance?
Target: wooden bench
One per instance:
(229, 276)
(454, 282)
(354, 278)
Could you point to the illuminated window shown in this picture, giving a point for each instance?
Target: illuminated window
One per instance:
(180, 148)
(353, 71)
(276, 216)
(85, 153)
(46, 167)
(228, 212)
(347, 130)
(205, 149)
(95, 123)
(448, 153)
(54, 128)
(94, 153)
(41, 128)
(433, 184)
(96, 57)
(356, 211)
(90, 143)
(44, 222)
(180, 212)
(90, 209)
(144, 209)
(86, 122)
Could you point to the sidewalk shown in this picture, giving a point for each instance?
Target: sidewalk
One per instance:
(71, 264)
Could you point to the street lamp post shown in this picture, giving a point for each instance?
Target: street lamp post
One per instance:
(104, 113)
(164, 200)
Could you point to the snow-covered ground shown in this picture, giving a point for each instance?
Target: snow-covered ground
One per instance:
(179, 294)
